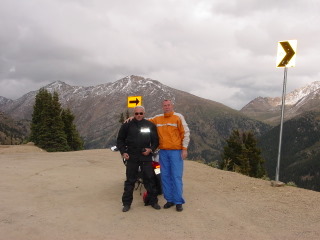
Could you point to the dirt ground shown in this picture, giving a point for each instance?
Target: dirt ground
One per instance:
(77, 195)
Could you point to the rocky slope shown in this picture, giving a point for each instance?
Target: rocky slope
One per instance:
(11, 131)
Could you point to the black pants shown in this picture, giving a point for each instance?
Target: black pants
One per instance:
(149, 180)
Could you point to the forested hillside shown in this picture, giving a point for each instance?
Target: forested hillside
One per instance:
(12, 132)
(300, 152)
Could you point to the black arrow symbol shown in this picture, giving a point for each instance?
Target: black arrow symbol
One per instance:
(136, 101)
(289, 54)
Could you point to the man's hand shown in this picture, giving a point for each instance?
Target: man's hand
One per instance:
(128, 119)
(184, 153)
(147, 152)
(125, 156)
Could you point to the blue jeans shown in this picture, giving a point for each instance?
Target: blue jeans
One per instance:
(171, 164)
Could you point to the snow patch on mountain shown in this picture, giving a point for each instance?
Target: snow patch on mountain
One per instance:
(295, 96)
(268, 109)
(4, 100)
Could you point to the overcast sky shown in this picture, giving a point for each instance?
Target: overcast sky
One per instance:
(223, 50)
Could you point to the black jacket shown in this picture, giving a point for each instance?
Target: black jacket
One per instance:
(136, 135)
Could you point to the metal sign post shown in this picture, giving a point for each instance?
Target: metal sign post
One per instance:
(281, 122)
(285, 58)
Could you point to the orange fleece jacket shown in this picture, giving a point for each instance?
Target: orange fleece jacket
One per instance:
(173, 131)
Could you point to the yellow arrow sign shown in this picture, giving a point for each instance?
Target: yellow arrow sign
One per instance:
(134, 101)
(286, 55)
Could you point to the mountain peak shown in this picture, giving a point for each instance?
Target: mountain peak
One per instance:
(57, 86)
(135, 78)
(297, 94)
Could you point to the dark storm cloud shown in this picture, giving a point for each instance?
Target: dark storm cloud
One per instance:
(221, 50)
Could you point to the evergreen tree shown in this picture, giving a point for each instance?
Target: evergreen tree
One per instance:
(254, 155)
(73, 138)
(121, 120)
(52, 127)
(241, 154)
(53, 137)
(42, 101)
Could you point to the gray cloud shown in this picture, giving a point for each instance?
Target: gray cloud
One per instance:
(221, 50)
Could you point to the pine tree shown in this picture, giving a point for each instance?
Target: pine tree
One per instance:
(241, 154)
(53, 137)
(59, 137)
(52, 127)
(42, 102)
(73, 138)
(121, 120)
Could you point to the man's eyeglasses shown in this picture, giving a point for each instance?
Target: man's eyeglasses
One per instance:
(138, 113)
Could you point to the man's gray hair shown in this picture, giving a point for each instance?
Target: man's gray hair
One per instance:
(141, 107)
(166, 100)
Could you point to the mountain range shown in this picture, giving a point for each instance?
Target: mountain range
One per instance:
(98, 108)
(97, 111)
(300, 100)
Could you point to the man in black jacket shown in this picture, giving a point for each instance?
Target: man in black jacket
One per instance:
(136, 141)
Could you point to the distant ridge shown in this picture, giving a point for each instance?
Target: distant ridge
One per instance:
(301, 100)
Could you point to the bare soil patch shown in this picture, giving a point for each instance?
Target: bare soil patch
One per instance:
(77, 195)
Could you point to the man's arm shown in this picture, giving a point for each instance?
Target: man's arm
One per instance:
(128, 119)
(154, 138)
(185, 136)
(121, 139)
(184, 132)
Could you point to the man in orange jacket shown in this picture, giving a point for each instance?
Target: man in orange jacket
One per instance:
(174, 137)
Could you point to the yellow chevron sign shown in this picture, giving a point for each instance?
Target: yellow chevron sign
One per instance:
(134, 101)
(286, 55)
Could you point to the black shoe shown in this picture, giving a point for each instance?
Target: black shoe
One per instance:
(168, 205)
(179, 207)
(126, 208)
(156, 206)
